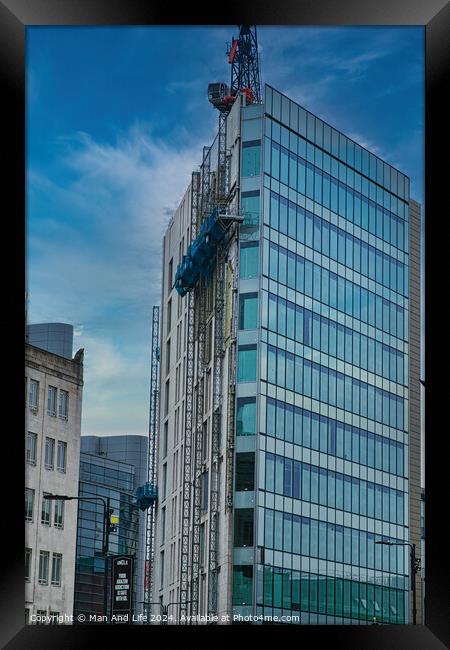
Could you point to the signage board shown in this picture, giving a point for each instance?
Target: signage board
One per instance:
(122, 584)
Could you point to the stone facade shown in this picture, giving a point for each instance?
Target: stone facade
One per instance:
(55, 428)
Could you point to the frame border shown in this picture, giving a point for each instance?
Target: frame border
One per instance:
(434, 16)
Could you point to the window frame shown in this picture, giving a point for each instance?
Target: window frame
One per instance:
(32, 493)
(61, 445)
(63, 413)
(56, 564)
(31, 436)
(33, 407)
(48, 465)
(43, 555)
(52, 390)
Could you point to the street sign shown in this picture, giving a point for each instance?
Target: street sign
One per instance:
(122, 587)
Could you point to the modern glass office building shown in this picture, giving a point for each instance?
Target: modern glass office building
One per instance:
(327, 432)
(102, 477)
(332, 374)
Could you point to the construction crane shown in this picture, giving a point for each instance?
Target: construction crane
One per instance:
(245, 74)
(213, 227)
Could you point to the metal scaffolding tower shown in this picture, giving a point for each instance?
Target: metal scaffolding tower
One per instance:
(222, 199)
(203, 267)
(200, 295)
(152, 467)
(189, 414)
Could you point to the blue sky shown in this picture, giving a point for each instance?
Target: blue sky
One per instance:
(116, 121)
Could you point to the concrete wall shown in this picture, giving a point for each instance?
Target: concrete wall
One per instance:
(51, 370)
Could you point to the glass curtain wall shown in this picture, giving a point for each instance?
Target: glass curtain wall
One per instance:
(333, 392)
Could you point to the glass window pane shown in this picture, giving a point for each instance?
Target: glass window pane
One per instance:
(248, 262)
(246, 417)
(251, 158)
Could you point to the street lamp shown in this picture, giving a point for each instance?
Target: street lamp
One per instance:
(107, 528)
(147, 603)
(414, 569)
(165, 608)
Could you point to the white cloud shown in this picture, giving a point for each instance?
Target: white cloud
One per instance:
(101, 271)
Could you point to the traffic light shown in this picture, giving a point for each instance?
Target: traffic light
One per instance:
(113, 521)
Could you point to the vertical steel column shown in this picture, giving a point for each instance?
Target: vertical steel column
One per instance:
(152, 455)
(189, 403)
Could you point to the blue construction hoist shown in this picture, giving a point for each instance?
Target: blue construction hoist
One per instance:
(145, 496)
(199, 258)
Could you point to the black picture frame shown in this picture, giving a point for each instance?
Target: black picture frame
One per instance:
(434, 15)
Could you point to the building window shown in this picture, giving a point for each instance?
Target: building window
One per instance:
(168, 357)
(242, 584)
(49, 453)
(250, 208)
(204, 492)
(46, 512)
(248, 262)
(243, 527)
(51, 401)
(164, 481)
(251, 158)
(29, 504)
(245, 471)
(33, 395)
(43, 567)
(165, 439)
(58, 520)
(246, 417)
(28, 556)
(41, 615)
(166, 404)
(169, 276)
(161, 575)
(169, 314)
(246, 363)
(163, 524)
(63, 404)
(53, 618)
(248, 311)
(31, 448)
(27, 616)
(56, 569)
(61, 456)
(202, 545)
(205, 445)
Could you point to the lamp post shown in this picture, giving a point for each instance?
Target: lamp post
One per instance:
(107, 511)
(414, 569)
(147, 608)
(165, 608)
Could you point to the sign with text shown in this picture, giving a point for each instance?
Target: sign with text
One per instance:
(122, 584)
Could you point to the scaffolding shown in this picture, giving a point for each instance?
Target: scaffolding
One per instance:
(189, 414)
(200, 295)
(213, 227)
(146, 496)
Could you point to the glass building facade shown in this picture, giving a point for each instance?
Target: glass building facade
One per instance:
(102, 477)
(321, 456)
